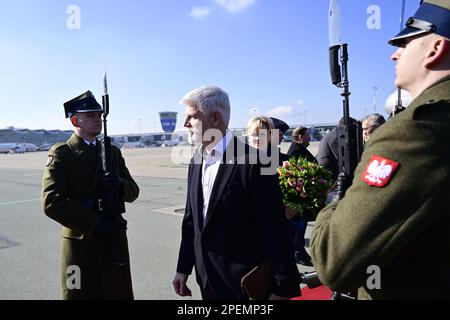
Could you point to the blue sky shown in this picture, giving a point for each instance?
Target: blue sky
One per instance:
(271, 56)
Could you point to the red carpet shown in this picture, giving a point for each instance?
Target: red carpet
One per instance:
(319, 293)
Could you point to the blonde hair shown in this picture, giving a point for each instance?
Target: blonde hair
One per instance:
(259, 122)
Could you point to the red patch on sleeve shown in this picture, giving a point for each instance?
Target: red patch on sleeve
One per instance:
(379, 171)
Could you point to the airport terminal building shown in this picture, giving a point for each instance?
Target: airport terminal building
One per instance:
(44, 139)
(37, 137)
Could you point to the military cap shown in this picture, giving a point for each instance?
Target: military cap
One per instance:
(433, 16)
(280, 124)
(83, 103)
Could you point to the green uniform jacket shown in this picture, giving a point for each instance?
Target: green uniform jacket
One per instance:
(69, 189)
(403, 227)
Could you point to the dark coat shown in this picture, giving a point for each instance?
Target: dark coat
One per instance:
(299, 150)
(245, 225)
(402, 227)
(327, 156)
(282, 158)
(70, 188)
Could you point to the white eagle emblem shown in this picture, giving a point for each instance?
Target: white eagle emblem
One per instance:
(378, 172)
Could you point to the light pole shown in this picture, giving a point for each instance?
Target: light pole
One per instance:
(140, 127)
(375, 99)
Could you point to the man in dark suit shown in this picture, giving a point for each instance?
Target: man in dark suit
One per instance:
(327, 156)
(234, 218)
(300, 143)
(298, 224)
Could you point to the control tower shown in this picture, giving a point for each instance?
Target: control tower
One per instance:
(168, 121)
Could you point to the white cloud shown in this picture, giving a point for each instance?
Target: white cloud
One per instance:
(200, 12)
(281, 111)
(234, 6)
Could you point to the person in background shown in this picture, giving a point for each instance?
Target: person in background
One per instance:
(298, 223)
(327, 156)
(299, 145)
(370, 123)
(282, 128)
(258, 129)
(259, 132)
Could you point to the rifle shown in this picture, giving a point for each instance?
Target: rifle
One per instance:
(111, 206)
(399, 106)
(350, 144)
(350, 141)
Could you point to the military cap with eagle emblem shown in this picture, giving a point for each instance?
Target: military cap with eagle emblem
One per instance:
(83, 103)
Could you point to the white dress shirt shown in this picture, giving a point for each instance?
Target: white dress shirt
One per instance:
(89, 143)
(210, 167)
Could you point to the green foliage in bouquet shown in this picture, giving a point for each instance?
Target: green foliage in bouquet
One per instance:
(305, 186)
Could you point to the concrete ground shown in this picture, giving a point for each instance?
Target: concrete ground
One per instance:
(30, 242)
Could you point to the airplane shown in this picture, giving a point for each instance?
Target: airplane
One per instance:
(17, 147)
(29, 147)
(11, 148)
(132, 145)
(170, 143)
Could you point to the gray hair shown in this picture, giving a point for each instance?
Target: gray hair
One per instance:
(209, 99)
(374, 120)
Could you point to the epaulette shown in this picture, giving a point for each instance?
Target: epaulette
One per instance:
(58, 146)
(52, 153)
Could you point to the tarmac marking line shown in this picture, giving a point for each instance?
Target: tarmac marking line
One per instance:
(171, 211)
(7, 243)
(18, 202)
(167, 213)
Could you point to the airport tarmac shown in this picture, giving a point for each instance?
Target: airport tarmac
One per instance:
(30, 241)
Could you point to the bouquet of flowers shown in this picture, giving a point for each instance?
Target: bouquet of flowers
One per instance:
(305, 186)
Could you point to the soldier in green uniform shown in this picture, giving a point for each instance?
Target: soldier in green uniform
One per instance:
(72, 185)
(389, 237)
